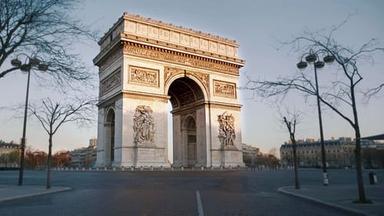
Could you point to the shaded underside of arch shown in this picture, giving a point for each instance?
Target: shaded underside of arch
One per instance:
(110, 116)
(184, 91)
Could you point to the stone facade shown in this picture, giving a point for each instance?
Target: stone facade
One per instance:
(84, 157)
(339, 153)
(250, 154)
(144, 65)
(9, 154)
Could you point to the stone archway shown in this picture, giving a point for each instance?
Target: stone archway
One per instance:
(188, 114)
(145, 64)
(110, 136)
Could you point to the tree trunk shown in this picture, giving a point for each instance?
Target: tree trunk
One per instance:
(297, 185)
(359, 170)
(49, 162)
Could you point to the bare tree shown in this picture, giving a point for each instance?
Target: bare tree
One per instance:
(273, 151)
(341, 93)
(52, 115)
(42, 29)
(373, 91)
(291, 123)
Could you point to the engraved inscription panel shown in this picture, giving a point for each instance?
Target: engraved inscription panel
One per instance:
(144, 76)
(224, 89)
(222, 49)
(142, 29)
(164, 35)
(153, 32)
(203, 44)
(130, 27)
(212, 47)
(184, 39)
(175, 37)
(110, 82)
(194, 42)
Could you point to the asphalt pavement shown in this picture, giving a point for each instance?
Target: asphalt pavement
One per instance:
(172, 193)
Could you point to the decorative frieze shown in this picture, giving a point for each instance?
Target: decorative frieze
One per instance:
(227, 133)
(224, 89)
(170, 72)
(143, 126)
(111, 82)
(144, 76)
(165, 55)
(113, 56)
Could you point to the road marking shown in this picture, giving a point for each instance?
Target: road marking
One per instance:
(199, 204)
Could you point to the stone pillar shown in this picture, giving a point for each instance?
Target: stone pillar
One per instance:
(100, 158)
(107, 144)
(177, 141)
(208, 138)
(224, 154)
(118, 133)
(201, 140)
(152, 152)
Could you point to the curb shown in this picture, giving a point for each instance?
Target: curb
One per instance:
(138, 170)
(315, 200)
(62, 189)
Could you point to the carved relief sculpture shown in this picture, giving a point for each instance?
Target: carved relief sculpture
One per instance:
(204, 78)
(227, 133)
(146, 76)
(110, 82)
(143, 125)
(224, 89)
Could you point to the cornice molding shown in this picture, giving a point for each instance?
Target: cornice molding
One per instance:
(170, 26)
(170, 56)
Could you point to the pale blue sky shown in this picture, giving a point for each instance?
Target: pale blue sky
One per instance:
(258, 26)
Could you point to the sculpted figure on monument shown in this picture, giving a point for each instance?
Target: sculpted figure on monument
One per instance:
(226, 129)
(143, 125)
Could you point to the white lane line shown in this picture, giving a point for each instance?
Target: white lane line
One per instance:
(199, 204)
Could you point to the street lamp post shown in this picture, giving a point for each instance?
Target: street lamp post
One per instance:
(26, 67)
(317, 64)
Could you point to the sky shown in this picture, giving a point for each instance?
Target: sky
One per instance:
(259, 27)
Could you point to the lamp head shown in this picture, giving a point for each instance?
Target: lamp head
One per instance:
(42, 67)
(302, 65)
(34, 61)
(311, 58)
(16, 62)
(319, 64)
(329, 58)
(25, 67)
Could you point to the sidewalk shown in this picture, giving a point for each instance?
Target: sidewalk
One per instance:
(341, 197)
(11, 192)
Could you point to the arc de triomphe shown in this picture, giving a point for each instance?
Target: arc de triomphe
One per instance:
(145, 64)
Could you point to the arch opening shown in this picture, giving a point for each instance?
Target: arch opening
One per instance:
(188, 141)
(184, 91)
